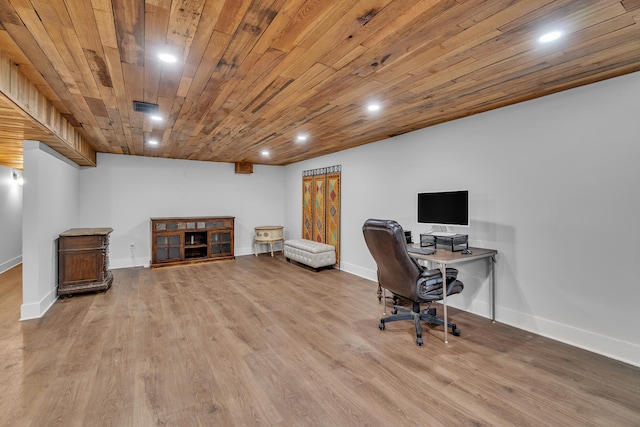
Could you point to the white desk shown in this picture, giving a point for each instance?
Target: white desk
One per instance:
(445, 258)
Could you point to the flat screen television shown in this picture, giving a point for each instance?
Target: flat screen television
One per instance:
(444, 208)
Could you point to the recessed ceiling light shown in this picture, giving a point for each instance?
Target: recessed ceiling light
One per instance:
(167, 57)
(152, 142)
(549, 37)
(301, 138)
(265, 153)
(156, 118)
(373, 107)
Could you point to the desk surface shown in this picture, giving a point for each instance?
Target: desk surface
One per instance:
(442, 256)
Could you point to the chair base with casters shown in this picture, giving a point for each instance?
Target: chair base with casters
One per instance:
(418, 316)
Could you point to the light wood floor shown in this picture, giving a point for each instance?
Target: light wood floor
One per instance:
(261, 342)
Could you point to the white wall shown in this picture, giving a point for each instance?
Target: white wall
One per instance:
(123, 192)
(50, 207)
(10, 220)
(553, 187)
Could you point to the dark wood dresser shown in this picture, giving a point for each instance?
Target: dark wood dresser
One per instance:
(83, 261)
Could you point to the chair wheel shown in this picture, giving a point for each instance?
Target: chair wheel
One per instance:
(419, 341)
(381, 325)
(394, 311)
(455, 331)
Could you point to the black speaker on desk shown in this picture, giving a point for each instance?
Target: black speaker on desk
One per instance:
(407, 236)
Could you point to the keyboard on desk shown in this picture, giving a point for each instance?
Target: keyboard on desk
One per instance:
(421, 251)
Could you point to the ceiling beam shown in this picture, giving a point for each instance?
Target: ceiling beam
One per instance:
(37, 118)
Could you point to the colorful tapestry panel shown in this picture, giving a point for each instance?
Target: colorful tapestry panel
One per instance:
(332, 213)
(319, 208)
(307, 207)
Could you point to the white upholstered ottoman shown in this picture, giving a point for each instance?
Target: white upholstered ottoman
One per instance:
(314, 254)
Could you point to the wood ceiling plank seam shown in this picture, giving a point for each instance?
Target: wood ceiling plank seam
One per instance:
(603, 15)
(297, 87)
(488, 9)
(52, 12)
(74, 55)
(202, 37)
(105, 24)
(178, 139)
(133, 80)
(286, 9)
(608, 60)
(309, 19)
(420, 14)
(229, 88)
(253, 102)
(480, 62)
(268, 68)
(213, 54)
(129, 26)
(156, 30)
(489, 70)
(120, 115)
(120, 123)
(631, 5)
(151, 86)
(157, 18)
(452, 42)
(8, 14)
(83, 19)
(286, 126)
(362, 30)
(231, 16)
(602, 36)
(240, 45)
(174, 106)
(545, 14)
(183, 87)
(366, 91)
(35, 26)
(100, 136)
(338, 25)
(184, 19)
(217, 120)
(352, 55)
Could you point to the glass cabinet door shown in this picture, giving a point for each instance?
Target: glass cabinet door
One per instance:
(168, 247)
(220, 243)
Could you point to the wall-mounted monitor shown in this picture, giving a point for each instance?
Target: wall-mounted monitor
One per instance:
(444, 208)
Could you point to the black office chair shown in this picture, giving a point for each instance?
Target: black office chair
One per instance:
(405, 278)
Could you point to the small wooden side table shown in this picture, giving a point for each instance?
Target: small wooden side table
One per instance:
(268, 234)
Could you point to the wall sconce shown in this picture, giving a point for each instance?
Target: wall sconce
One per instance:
(17, 177)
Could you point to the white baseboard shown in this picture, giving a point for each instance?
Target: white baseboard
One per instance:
(365, 273)
(612, 348)
(115, 264)
(8, 265)
(36, 310)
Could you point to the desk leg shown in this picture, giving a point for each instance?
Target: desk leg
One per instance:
(443, 270)
(492, 260)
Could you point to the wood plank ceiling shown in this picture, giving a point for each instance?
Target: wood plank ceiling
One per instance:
(253, 75)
